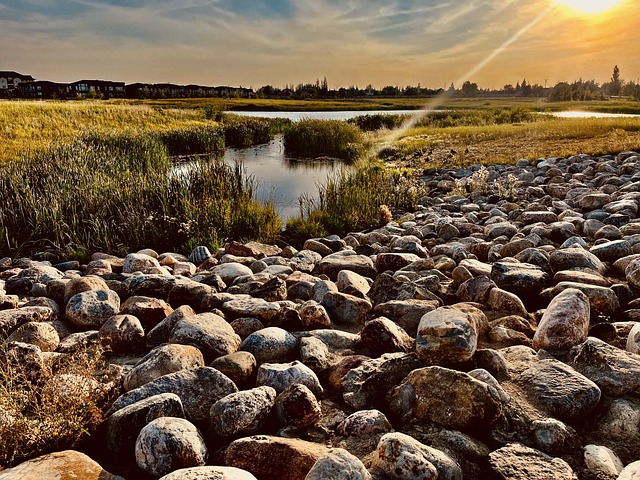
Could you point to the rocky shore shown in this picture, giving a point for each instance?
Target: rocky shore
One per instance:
(494, 333)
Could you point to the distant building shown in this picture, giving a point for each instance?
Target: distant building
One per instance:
(43, 89)
(97, 88)
(170, 90)
(11, 80)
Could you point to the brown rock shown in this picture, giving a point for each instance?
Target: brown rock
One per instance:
(68, 464)
(565, 322)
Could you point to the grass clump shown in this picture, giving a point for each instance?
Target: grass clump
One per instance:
(123, 196)
(353, 200)
(48, 406)
(329, 138)
(374, 122)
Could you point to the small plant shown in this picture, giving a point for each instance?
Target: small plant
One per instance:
(459, 187)
(331, 138)
(385, 215)
(47, 406)
(479, 180)
(507, 187)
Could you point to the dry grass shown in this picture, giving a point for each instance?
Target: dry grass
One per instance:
(47, 406)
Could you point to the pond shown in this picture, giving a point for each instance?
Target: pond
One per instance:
(281, 178)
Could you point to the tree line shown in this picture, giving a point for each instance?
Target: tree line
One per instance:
(562, 91)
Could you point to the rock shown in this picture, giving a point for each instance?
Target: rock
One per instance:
(506, 302)
(252, 249)
(168, 443)
(338, 464)
(43, 335)
(271, 344)
(150, 285)
(314, 315)
(386, 288)
(518, 462)
(406, 313)
(565, 322)
(240, 367)
(633, 340)
(446, 397)
(346, 309)
(123, 427)
(630, 472)
(282, 375)
(602, 300)
(199, 254)
(273, 457)
(252, 307)
(523, 279)
(561, 391)
(241, 413)
(137, 262)
(363, 383)
(602, 462)
(315, 354)
(615, 371)
(198, 388)
(188, 292)
(632, 273)
(161, 361)
(208, 332)
(332, 264)
(83, 284)
(66, 464)
(611, 251)
(476, 289)
(122, 334)
(381, 335)
(160, 333)
(364, 423)
(570, 258)
(228, 272)
(298, 406)
(209, 473)
(352, 283)
(90, 309)
(150, 311)
(394, 261)
(446, 335)
(400, 457)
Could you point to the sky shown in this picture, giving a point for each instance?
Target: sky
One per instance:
(350, 42)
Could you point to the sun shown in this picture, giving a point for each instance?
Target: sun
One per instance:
(589, 7)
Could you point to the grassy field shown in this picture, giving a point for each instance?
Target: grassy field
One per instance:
(96, 173)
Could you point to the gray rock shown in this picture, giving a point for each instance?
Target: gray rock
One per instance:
(400, 456)
(602, 300)
(281, 375)
(198, 388)
(338, 464)
(630, 472)
(332, 264)
(406, 313)
(446, 335)
(523, 279)
(90, 309)
(241, 413)
(209, 332)
(209, 473)
(346, 309)
(252, 307)
(364, 423)
(230, 271)
(139, 262)
(517, 462)
(161, 361)
(272, 344)
(602, 462)
(160, 333)
(632, 272)
(168, 443)
(570, 258)
(611, 251)
(394, 261)
(150, 311)
(352, 283)
(615, 371)
(123, 427)
(560, 390)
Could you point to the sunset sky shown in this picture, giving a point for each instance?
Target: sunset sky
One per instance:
(352, 42)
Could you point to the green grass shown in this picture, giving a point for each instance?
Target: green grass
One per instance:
(331, 138)
(118, 196)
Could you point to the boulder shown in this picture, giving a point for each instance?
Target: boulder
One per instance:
(209, 473)
(271, 345)
(338, 464)
(381, 335)
(209, 332)
(273, 457)
(122, 334)
(241, 413)
(67, 464)
(346, 309)
(446, 335)
(90, 309)
(565, 322)
(169, 443)
(297, 406)
(282, 375)
(518, 462)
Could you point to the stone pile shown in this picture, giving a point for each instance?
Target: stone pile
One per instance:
(480, 337)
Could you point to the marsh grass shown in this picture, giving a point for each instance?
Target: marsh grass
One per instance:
(328, 138)
(120, 196)
(49, 406)
(351, 200)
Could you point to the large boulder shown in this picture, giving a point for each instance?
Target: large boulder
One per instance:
(565, 322)
(209, 473)
(446, 335)
(518, 462)
(282, 375)
(67, 464)
(169, 443)
(271, 344)
(241, 413)
(90, 309)
(338, 464)
(209, 332)
(447, 397)
(272, 457)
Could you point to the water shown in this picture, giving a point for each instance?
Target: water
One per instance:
(343, 115)
(282, 178)
(577, 114)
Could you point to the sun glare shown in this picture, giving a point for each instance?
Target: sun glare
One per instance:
(589, 7)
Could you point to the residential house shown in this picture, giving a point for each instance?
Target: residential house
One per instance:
(97, 88)
(43, 89)
(11, 80)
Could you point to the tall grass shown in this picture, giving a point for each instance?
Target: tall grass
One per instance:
(331, 138)
(351, 200)
(116, 194)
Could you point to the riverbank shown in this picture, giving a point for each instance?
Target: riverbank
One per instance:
(511, 292)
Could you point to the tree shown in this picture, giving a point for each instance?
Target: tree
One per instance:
(469, 89)
(616, 84)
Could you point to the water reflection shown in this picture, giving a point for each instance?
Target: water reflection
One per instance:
(281, 178)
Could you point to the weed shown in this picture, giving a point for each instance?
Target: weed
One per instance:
(332, 138)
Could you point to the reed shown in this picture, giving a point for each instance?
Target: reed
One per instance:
(329, 138)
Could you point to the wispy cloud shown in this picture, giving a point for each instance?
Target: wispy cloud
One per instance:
(282, 41)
